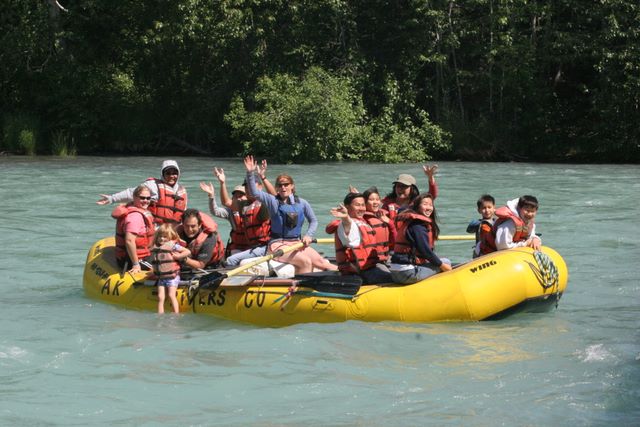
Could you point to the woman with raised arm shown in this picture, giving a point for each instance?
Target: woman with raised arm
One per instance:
(288, 213)
(404, 190)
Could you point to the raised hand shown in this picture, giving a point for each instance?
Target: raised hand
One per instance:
(262, 169)
(249, 163)
(339, 212)
(353, 189)
(219, 173)
(104, 200)
(207, 188)
(430, 171)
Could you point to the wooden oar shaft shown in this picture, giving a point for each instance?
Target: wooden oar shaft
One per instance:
(444, 237)
(281, 251)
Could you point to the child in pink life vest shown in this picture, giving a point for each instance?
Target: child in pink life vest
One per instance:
(165, 254)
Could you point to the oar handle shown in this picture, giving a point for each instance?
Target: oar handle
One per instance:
(444, 237)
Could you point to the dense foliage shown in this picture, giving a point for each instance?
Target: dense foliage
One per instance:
(304, 80)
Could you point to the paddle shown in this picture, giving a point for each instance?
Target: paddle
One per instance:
(445, 237)
(215, 278)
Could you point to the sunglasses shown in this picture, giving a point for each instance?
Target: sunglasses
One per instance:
(283, 184)
(171, 172)
(144, 198)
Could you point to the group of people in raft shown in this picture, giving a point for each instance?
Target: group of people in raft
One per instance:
(386, 239)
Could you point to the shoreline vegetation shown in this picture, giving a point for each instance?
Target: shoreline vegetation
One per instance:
(324, 80)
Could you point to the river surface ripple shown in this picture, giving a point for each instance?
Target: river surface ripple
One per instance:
(69, 360)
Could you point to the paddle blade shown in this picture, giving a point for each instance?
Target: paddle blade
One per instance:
(211, 280)
(347, 285)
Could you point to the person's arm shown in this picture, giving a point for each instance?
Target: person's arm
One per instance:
(225, 199)
(504, 236)
(268, 200)
(473, 226)
(346, 232)
(205, 253)
(130, 244)
(417, 233)
(262, 171)
(311, 218)
(124, 196)
(180, 253)
(430, 171)
(534, 240)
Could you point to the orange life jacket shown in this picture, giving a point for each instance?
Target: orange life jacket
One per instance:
(256, 228)
(402, 244)
(382, 235)
(164, 266)
(505, 214)
(143, 242)
(208, 227)
(355, 260)
(170, 206)
(237, 236)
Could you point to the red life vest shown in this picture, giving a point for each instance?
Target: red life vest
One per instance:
(237, 236)
(382, 235)
(402, 244)
(391, 207)
(485, 237)
(170, 206)
(208, 227)
(257, 228)
(355, 260)
(143, 242)
(164, 266)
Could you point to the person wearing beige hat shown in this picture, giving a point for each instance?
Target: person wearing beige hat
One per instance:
(249, 219)
(404, 190)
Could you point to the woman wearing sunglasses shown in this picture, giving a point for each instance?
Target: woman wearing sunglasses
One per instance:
(134, 230)
(288, 213)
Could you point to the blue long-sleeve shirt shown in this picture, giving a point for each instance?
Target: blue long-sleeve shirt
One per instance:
(272, 203)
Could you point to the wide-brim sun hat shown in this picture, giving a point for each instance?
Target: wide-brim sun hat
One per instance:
(406, 179)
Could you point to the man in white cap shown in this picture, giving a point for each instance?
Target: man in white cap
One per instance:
(168, 198)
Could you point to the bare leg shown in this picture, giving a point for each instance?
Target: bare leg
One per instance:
(318, 261)
(174, 301)
(161, 299)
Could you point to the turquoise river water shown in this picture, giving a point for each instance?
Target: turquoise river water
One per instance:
(69, 360)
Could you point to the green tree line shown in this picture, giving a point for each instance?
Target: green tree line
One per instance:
(307, 80)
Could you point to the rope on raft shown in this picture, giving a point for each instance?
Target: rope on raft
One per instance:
(548, 273)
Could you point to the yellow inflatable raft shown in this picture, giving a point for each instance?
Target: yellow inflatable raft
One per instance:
(489, 287)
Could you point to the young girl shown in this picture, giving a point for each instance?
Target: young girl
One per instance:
(414, 259)
(165, 255)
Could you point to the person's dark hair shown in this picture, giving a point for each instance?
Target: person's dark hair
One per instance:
(369, 191)
(350, 197)
(392, 195)
(485, 198)
(528, 201)
(415, 204)
(192, 213)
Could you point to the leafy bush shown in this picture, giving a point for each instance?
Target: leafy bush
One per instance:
(317, 117)
(320, 117)
(20, 133)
